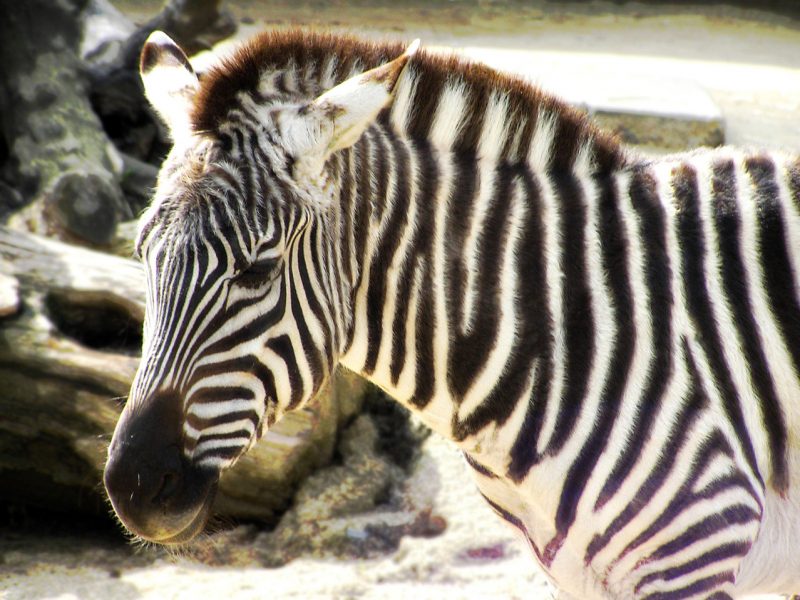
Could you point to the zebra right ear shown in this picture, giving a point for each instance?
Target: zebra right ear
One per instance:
(170, 82)
(336, 119)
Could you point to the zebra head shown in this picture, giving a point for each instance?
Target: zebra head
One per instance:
(243, 318)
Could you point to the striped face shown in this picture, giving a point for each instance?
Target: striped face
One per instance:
(244, 312)
(217, 315)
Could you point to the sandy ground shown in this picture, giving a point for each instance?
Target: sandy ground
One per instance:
(477, 556)
(749, 70)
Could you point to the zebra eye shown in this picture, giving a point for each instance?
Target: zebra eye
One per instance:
(257, 274)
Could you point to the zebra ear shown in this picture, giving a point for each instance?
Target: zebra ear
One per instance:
(347, 109)
(170, 83)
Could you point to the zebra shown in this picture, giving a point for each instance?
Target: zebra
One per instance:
(613, 341)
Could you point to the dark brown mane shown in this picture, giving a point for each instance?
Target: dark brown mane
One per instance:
(307, 53)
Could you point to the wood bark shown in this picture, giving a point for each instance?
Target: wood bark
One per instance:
(70, 131)
(70, 321)
(60, 158)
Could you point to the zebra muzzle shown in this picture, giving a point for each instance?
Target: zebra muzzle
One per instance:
(156, 492)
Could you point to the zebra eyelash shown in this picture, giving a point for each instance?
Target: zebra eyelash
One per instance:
(258, 273)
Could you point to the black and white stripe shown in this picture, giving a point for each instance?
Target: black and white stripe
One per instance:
(614, 342)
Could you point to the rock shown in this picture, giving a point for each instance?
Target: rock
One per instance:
(104, 30)
(10, 200)
(664, 115)
(124, 239)
(138, 182)
(85, 205)
(354, 509)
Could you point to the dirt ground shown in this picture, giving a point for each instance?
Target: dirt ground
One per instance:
(748, 63)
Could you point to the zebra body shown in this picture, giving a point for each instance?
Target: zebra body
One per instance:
(610, 340)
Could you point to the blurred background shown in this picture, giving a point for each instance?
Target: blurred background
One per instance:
(350, 498)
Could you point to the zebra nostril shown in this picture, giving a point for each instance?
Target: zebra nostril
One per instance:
(169, 485)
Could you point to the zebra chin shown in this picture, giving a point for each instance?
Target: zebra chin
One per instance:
(167, 528)
(158, 493)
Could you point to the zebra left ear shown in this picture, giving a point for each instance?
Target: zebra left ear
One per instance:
(170, 82)
(345, 111)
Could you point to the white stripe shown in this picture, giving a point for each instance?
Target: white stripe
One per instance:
(382, 372)
(474, 241)
(214, 410)
(540, 151)
(404, 93)
(780, 362)
(495, 126)
(448, 120)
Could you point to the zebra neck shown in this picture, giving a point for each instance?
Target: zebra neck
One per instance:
(439, 246)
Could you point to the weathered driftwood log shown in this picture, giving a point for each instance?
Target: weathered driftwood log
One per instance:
(59, 115)
(59, 155)
(70, 323)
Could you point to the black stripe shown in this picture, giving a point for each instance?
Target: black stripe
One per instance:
(382, 260)
(468, 353)
(361, 217)
(614, 247)
(579, 330)
(346, 199)
(427, 96)
(738, 514)
(692, 407)
(308, 349)
(178, 296)
(466, 178)
(720, 553)
(312, 292)
(685, 498)
(382, 168)
(536, 332)
(405, 278)
(239, 433)
(469, 135)
(227, 453)
(735, 279)
(242, 364)
(700, 586)
(428, 186)
(254, 329)
(693, 256)
(507, 391)
(519, 118)
(199, 423)
(658, 275)
(220, 394)
(566, 140)
(479, 467)
(282, 346)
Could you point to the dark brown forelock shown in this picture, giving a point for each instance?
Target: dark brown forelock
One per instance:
(275, 50)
